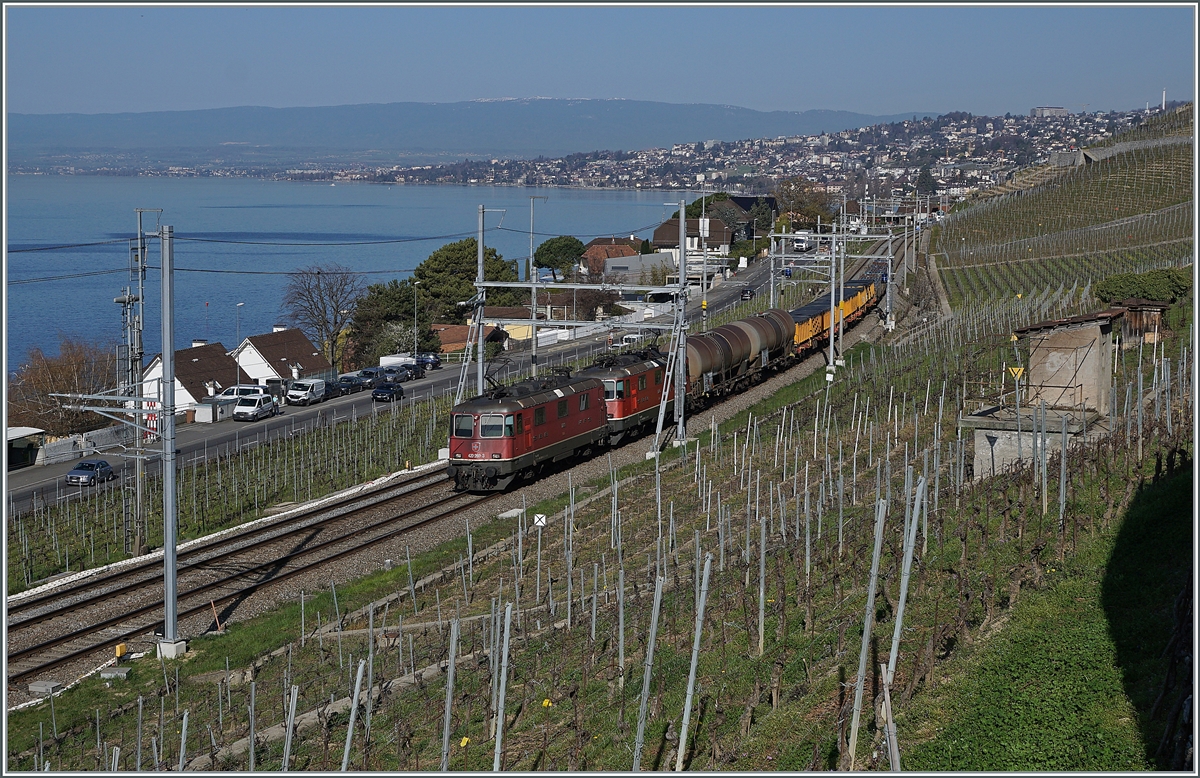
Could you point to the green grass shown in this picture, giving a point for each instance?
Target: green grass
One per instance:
(1069, 681)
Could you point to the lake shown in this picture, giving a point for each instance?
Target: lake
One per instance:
(223, 225)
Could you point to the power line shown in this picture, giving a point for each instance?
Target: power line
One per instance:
(69, 246)
(329, 243)
(67, 277)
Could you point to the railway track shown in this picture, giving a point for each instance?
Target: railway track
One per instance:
(59, 627)
(81, 618)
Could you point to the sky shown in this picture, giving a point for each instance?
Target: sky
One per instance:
(878, 60)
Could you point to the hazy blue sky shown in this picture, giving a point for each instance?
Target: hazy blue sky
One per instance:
(874, 60)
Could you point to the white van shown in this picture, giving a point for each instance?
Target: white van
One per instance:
(242, 390)
(309, 390)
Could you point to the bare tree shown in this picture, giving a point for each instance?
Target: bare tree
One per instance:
(81, 367)
(319, 300)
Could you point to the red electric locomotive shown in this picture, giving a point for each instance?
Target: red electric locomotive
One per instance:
(514, 430)
(633, 387)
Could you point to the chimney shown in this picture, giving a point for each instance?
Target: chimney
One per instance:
(279, 328)
(198, 342)
(295, 372)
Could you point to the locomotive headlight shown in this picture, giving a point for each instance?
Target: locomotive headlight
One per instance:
(495, 456)
(458, 456)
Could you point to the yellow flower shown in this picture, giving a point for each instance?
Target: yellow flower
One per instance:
(464, 742)
(546, 703)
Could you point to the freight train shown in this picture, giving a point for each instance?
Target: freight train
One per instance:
(515, 431)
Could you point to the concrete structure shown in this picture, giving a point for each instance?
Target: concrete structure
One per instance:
(1070, 371)
(1070, 361)
(995, 432)
(1048, 111)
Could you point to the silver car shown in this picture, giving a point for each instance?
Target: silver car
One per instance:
(89, 471)
(255, 407)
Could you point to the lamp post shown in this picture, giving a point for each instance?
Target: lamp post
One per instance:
(238, 324)
(415, 284)
(531, 276)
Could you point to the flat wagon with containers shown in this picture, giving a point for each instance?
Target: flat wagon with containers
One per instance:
(514, 431)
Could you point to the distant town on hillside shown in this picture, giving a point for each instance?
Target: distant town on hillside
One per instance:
(962, 152)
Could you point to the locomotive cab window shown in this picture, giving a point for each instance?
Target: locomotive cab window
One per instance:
(464, 425)
(539, 416)
(610, 390)
(657, 377)
(563, 410)
(491, 425)
(583, 401)
(642, 381)
(520, 424)
(508, 426)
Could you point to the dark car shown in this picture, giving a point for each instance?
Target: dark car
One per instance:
(748, 293)
(350, 384)
(333, 389)
(91, 471)
(388, 392)
(429, 361)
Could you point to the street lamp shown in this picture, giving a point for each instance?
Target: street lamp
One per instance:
(238, 319)
(415, 284)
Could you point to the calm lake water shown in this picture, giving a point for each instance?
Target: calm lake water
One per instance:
(224, 225)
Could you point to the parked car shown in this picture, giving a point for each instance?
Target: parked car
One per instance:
(306, 392)
(352, 383)
(333, 389)
(372, 374)
(748, 293)
(262, 406)
(90, 471)
(387, 392)
(242, 390)
(429, 361)
(398, 374)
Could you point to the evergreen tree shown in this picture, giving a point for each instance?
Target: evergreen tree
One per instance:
(925, 182)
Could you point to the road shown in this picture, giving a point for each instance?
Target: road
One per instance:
(194, 440)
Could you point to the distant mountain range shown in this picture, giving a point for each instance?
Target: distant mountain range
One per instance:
(411, 133)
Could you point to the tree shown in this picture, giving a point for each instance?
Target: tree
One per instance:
(646, 248)
(383, 323)
(81, 367)
(760, 216)
(806, 204)
(319, 300)
(447, 277)
(925, 183)
(559, 253)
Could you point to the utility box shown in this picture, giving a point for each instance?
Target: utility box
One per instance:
(44, 688)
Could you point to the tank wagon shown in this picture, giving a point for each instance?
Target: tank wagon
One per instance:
(514, 431)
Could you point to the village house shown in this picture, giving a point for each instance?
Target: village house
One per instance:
(282, 355)
(720, 236)
(200, 371)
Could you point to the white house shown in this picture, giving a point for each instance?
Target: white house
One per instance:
(200, 371)
(283, 354)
